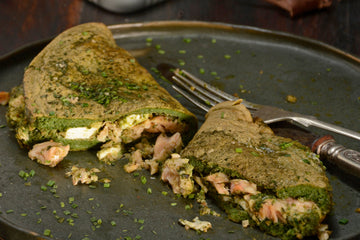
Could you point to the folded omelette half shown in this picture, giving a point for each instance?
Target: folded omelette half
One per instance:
(258, 178)
(82, 90)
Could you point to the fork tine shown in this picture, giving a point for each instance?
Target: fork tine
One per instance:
(196, 90)
(203, 91)
(217, 95)
(191, 99)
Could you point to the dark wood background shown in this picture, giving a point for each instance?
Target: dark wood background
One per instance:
(23, 22)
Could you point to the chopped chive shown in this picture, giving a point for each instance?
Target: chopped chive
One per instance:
(191, 196)
(51, 183)
(161, 51)
(67, 212)
(181, 62)
(306, 161)
(23, 174)
(143, 180)
(227, 56)
(238, 150)
(149, 191)
(47, 232)
(32, 173)
(255, 154)
(285, 145)
(343, 221)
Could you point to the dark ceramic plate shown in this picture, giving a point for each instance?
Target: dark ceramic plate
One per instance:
(259, 65)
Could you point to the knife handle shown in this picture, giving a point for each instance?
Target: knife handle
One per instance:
(344, 158)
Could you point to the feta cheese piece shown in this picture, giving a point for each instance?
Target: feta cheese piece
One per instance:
(133, 120)
(80, 132)
(110, 153)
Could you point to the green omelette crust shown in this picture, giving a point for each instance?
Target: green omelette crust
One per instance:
(82, 77)
(231, 142)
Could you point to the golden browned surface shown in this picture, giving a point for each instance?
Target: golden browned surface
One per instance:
(82, 73)
(231, 140)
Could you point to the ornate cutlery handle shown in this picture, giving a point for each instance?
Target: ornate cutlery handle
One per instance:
(346, 159)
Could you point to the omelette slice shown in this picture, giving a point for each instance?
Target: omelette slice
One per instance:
(82, 90)
(256, 177)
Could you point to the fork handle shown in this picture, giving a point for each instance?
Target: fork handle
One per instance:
(310, 121)
(344, 158)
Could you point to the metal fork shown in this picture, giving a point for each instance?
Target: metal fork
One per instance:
(196, 90)
(211, 95)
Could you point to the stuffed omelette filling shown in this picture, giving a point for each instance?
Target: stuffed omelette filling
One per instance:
(82, 91)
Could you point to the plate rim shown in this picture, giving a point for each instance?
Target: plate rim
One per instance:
(203, 24)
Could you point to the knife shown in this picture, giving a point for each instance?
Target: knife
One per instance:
(325, 146)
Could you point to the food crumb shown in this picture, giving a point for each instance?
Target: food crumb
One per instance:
(245, 223)
(4, 98)
(196, 224)
(291, 99)
(357, 210)
(324, 233)
(83, 175)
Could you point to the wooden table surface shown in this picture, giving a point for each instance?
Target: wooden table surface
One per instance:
(25, 22)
